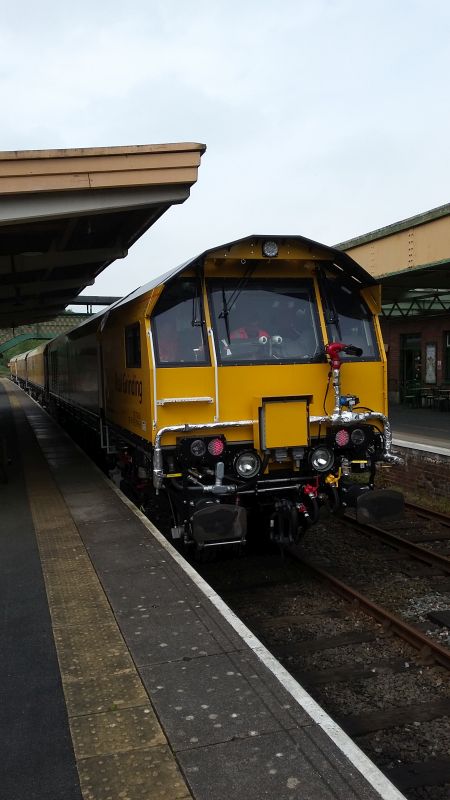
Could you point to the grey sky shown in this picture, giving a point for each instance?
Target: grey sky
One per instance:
(321, 118)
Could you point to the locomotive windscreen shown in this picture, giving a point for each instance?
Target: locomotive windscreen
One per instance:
(265, 321)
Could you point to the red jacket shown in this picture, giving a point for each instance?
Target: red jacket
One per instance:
(241, 333)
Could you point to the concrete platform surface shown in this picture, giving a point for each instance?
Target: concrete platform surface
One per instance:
(421, 428)
(124, 675)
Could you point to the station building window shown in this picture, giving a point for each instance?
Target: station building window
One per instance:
(133, 346)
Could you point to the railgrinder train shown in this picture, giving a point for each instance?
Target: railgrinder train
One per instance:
(248, 382)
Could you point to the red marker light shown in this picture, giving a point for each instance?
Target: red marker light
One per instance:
(342, 438)
(216, 447)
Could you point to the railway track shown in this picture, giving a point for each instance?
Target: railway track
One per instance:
(428, 513)
(419, 514)
(424, 774)
(436, 534)
(381, 675)
(427, 647)
(414, 549)
(425, 526)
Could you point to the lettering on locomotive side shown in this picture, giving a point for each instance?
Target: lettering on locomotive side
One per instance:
(125, 385)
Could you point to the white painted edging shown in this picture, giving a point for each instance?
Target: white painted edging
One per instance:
(385, 789)
(426, 448)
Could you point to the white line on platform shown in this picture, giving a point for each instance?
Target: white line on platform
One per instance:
(426, 448)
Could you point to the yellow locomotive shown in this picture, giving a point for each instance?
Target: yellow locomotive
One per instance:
(251, 377)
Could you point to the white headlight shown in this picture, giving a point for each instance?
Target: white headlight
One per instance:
(270, 249)
(248, 464)
(322, 459)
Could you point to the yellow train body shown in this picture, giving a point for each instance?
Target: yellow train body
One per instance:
(160, 399)
(21, 367)
(254, 374)
(35, 366)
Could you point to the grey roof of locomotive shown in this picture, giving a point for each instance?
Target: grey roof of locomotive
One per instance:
(339, 259)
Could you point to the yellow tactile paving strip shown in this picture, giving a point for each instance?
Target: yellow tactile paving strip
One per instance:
(119, 746)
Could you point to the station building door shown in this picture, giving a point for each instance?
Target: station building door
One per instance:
(410, 360)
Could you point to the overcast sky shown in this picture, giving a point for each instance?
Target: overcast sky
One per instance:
(322, 118)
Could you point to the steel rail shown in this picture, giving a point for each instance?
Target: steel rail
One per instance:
(413, 636)
(428, 513)
(415, 550)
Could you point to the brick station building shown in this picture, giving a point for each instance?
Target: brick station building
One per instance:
(412, 260)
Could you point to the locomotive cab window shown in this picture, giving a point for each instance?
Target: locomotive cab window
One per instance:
(348, 319)
(265, 321)
(178, 326)
(133, 346)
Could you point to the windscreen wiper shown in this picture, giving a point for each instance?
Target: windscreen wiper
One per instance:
(224, 314)
(197, 320)
(332, 314)
(235, 295)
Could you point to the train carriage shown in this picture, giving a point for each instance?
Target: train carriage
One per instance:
(36, 370)
(12, 364)
(74, 370)
(21, 369)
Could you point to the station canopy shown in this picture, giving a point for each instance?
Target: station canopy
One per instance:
(65, 215)
(411, 259)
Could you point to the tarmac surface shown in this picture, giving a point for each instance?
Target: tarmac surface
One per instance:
(37, 753)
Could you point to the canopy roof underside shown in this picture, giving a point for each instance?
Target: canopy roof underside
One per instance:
(411, 259)
(65, 215)
(419, 291)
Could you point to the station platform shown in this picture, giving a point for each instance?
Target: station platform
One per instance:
(123, 676)
(421, 429)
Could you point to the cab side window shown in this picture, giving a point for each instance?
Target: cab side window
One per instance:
(348, 318)
(178, 326)
(133, 346)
